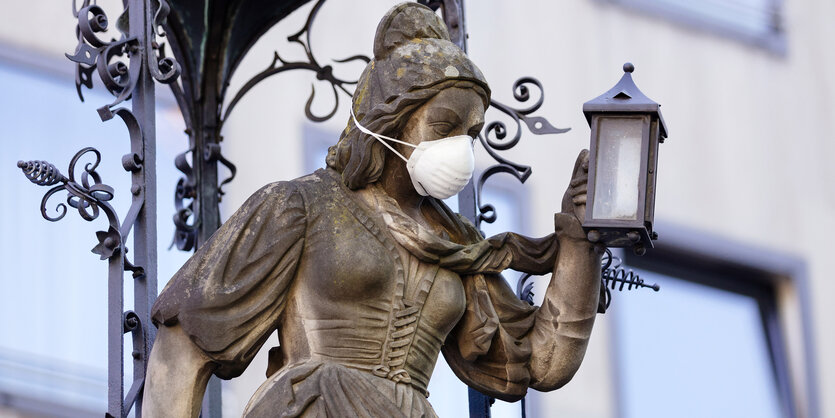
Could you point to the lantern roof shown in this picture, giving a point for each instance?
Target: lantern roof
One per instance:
(625, 97)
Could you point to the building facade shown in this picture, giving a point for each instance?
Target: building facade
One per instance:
(744, 203)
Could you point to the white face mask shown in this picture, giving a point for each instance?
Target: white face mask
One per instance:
(439, 168)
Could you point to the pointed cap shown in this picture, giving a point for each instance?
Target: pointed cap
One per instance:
(624, 97)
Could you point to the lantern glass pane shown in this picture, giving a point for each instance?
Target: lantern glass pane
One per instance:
(618, 168)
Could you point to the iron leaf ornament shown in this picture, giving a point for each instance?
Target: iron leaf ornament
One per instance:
(89, 196)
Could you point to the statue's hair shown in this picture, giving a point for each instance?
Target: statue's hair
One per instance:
(361, 157)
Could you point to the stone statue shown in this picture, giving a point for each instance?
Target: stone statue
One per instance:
(367, 276)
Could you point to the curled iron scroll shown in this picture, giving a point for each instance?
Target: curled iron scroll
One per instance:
(133, 324)
(494, 138)
(185, 233)
(324, 73)
(94, 54)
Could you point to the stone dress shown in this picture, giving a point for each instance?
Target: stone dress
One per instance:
(363, 299)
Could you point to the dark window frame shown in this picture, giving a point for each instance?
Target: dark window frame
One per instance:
(774, 40)
(766, 276)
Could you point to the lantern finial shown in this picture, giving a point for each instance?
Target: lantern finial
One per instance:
(628, 67)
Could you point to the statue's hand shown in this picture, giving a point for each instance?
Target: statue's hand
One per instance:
(574, 200)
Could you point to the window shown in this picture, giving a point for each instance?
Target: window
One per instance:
(316, 143)
(714, 341)
(755, 21)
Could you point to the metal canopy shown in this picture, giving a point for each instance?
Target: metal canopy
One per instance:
(209, 38)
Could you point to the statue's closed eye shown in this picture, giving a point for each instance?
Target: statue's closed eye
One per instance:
(442, 128)
(443, 120)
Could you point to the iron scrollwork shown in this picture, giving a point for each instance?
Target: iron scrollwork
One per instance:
(132, 323)
(211, 153)
(185, 192)
(185, 233)
(324, 73)
(186, 224)
(121, 66)
(94, 54)
(495, 138)
(88, 195)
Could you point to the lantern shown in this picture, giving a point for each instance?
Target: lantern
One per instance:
(626, 128)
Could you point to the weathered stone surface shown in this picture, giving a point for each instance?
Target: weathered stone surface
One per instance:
(366, 280)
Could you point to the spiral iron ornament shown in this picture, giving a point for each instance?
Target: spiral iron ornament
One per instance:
(615, 277)
(524, 288)
(494, 138)
(185, 232)
(612, 277)
(41, 173)
(88, 195)
(96, 55)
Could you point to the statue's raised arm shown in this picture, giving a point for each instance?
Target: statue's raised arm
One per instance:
(366, 274)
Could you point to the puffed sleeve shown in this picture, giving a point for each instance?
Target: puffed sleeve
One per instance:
(229, 294)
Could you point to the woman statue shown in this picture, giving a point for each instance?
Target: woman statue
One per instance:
(367, 275)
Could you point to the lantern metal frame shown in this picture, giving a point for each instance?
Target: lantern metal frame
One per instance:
(626, 101)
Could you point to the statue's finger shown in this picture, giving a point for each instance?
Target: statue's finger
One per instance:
(581, 189)
(583, 157)
(580, 180)
(582, 163)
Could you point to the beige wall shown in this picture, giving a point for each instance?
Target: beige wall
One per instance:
(748, 158)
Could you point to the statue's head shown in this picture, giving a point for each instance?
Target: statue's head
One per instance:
(414, 61)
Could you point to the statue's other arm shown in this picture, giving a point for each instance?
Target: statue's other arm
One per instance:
(223, 304)
(177, 375)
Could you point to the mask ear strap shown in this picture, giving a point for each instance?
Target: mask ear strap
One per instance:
(380, 138)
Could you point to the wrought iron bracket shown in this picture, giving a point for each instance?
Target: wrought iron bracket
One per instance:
(128, 68)
(95, 54)
(90, 197)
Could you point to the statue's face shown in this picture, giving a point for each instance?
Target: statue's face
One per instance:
(454, 111)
